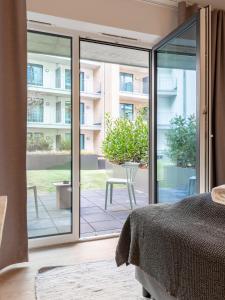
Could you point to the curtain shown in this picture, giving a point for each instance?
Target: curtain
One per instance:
(185, 12)
(13, 97)
(218, 98)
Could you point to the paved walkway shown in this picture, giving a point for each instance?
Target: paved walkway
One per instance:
(94, 219)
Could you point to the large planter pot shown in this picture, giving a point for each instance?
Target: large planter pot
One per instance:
(141, 180)
(177, 177)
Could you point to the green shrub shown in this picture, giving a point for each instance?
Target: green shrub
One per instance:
(39, 144)
(181, 140)
(65, 145)
(126, 140)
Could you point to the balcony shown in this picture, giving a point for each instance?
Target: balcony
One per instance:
(167, 85)
(135, 90)
(89, 89)
(92, 127)
(49, 90)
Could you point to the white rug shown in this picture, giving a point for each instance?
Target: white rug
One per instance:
(91, 281)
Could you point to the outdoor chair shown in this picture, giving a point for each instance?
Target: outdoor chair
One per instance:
(34, 189)
(131, 171)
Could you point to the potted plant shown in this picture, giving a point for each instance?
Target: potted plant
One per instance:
(181, 141)
(127, 141)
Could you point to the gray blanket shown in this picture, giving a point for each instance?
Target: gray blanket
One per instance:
(181, 245)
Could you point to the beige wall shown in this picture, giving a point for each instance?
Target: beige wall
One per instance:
(126, 14)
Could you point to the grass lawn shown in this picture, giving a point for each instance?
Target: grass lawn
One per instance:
(44, 179)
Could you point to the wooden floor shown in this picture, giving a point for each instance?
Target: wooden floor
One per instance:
(17, 282)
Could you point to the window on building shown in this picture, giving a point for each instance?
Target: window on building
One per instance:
(35, 110)
(127, 111)
(58, 116)
(81, 113)
(82, 141)
(58, 78)
(35, 74)
(68, 112)
(126, 82)
(145, 85)
(68, 79)
(82, 81)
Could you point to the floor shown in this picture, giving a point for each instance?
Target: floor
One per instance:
(17, 282)
(95, 220)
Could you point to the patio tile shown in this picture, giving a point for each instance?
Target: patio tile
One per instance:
(41, 215)
(64, 229)
(106, 225)
(90, 210)
(40, 224)
(86, 228)
(62, 221)
(86, 203)
(82, 221)
(60, 213)
(122, 215)
(98, 217)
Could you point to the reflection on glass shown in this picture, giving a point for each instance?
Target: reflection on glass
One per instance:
(49, 192)
(176, 118)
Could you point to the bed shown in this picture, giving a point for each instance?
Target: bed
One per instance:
(178, 249)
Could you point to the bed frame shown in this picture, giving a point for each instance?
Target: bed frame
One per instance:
(151, 288)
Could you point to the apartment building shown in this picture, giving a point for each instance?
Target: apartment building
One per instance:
(104, 88)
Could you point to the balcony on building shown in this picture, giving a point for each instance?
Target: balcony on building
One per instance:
(132, 88)
(167, 85)
(90, 86)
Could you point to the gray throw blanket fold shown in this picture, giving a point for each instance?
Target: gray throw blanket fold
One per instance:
(181, 245)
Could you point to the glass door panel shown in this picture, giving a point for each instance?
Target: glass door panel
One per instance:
(114, 104)
(176, 141)
(49, 135)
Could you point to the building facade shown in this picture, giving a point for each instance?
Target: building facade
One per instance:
(118, 90)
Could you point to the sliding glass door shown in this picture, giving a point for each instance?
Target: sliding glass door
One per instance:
(178, 98)
(49, 135)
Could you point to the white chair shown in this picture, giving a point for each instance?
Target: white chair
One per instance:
(131, 169)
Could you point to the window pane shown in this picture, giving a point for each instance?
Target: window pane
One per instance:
(82, 81)
(81, 113)
(58, 78)
(58, 112)
(68, 79)
(35, 110)
(177, 119)
(35, 74)
(82, 143)
(146, 85)
(127, 111)
(126, 82)
(67, 112)
(49, 155)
